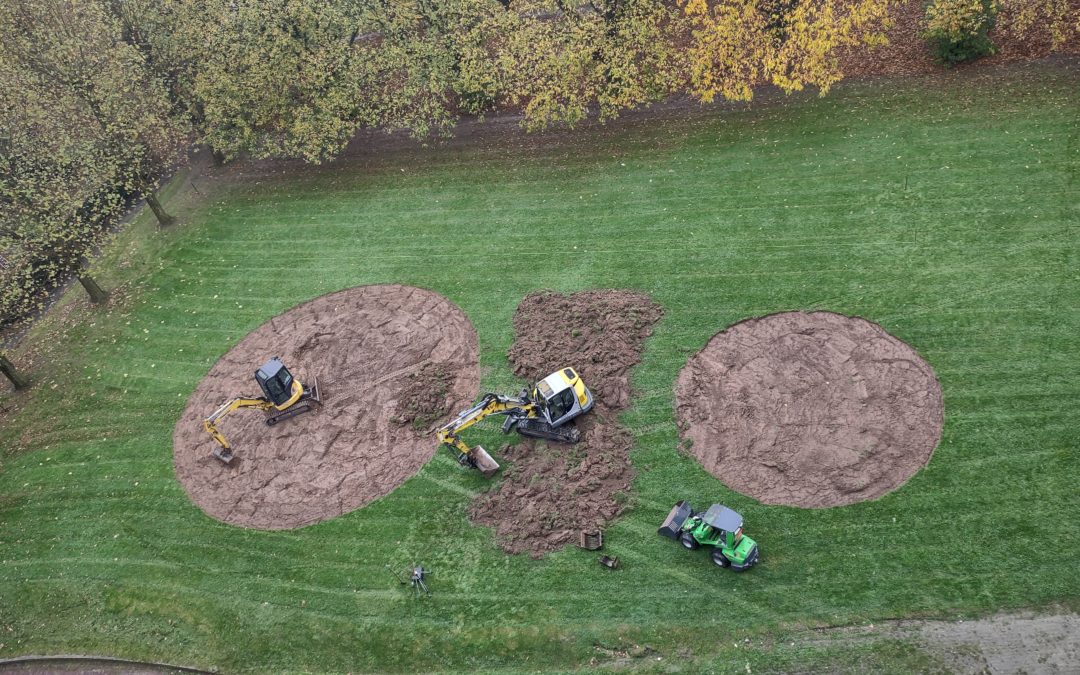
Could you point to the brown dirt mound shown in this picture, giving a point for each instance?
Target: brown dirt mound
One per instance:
(391, 360)
(809, 409)
(553, 491)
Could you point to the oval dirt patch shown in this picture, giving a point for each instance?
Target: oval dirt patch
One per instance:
(391, 361)
(810, 409)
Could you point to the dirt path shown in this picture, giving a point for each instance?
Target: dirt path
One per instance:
(809, 409)
(553, 491)
(1002, 644)
(88, 665)
(390, 360)
(1005, 643)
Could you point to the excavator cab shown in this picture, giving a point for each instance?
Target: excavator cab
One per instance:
(281, 393)
(540, 412)
(277, 383)
(562, 396)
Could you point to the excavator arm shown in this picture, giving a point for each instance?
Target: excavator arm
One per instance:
(225, 453)
(555, 401)
(517, 408)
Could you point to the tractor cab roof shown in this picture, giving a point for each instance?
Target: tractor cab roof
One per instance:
(722, 518)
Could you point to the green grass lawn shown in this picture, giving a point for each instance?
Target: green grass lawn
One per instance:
(945, 209)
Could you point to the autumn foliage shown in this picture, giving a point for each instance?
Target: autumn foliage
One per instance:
(84, 127)
(98, 98)
(958, 29)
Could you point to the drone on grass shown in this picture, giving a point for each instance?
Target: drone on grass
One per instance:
(417, 578)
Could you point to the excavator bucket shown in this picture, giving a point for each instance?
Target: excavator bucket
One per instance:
(673, 523)
(483, 461)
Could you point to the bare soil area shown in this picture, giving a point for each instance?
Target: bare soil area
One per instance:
(390, 360)
(553, 491)
(1004, 643)
(809, 409)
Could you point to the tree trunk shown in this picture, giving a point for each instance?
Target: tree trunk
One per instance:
(97, 294)
(164, 219)
(10, 373)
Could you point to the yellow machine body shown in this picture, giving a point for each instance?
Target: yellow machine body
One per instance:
(284, 394)
(537, 413)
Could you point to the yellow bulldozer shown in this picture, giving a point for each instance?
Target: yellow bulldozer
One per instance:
(283, 397)
(543, 411)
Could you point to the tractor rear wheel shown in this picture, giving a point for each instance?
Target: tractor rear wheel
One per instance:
(688, 541)
(719, 558)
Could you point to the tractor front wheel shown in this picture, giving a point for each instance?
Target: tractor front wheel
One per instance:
(688, 541)
(720, 559)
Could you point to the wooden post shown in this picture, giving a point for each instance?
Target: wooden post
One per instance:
(8, 369)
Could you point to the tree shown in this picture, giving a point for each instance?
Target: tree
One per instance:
(737, 44)
(557, 59)
(292, 79)
(76, 49)
(272, 79)
(958, 29)
(15, 377)
(1057, 19)
(811, 34)
(414, 53)
(87, 127)
(55, 189)
(728, 49)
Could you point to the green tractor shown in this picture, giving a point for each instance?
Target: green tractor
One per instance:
(719, 527)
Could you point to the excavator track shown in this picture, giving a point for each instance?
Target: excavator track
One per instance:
(534, 428)
(311, 398)
(297, 409)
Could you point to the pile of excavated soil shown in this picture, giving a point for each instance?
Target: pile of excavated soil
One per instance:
(552, 491)
(390, 360)
(809, 409)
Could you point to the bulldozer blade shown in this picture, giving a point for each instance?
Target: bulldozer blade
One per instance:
(483, 461)
(313, 392)
(672, 525)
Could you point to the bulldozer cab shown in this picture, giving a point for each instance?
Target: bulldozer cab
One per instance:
(276, 381)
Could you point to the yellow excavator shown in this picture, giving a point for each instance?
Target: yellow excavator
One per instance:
(542, 412)
(283, 397)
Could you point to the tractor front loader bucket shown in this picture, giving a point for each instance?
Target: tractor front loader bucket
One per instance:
(673, 523)
(483, 461)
